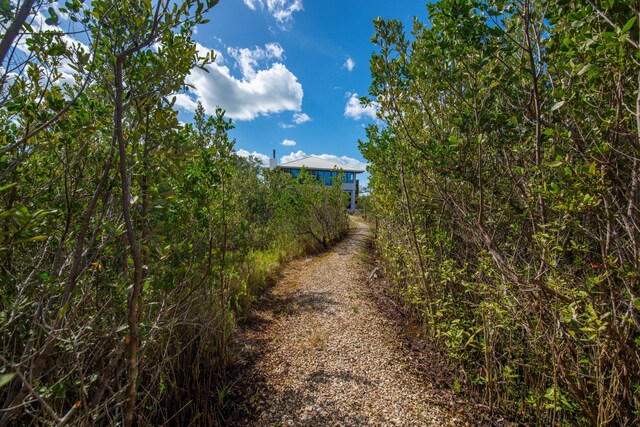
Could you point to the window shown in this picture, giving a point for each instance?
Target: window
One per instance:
(347, 177)
(327, 177)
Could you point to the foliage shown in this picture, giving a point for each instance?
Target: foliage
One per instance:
(505, 187)
(318, 210)
(129, 243)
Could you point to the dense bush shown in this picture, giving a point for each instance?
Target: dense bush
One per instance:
(505, 186)
(129, 242)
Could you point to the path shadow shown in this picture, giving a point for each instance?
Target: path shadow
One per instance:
(270, 308)
(322, 377)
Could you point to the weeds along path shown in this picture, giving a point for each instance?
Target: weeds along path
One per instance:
(317, 352)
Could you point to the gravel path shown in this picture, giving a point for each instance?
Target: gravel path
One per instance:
(322, 354)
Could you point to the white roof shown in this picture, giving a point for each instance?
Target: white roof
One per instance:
(316, 163)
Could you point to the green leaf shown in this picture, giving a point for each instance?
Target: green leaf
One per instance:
(53, 17)
(6, 379)
(628, 25)
(585, 69)
(63, 311)
(6, 187)
(558, 105)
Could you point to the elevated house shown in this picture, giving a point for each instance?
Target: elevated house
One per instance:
(325, 171)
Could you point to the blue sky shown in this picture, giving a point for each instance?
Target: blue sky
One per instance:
(288, 72)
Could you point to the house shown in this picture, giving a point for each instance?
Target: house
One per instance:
(324, 171)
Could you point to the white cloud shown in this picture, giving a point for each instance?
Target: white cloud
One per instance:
(293, 156)
(249, 59)
(288, 142)
(265, 87)
(202, 51)
(348, 161)
(281, 10)
(185, 102)
(300, 118)
(275, 50)
(264, 159)
(349, 64)
(252, 3)
(355, 110)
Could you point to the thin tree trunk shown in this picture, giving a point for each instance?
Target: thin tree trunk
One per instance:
(134, 299)
(14, 28)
